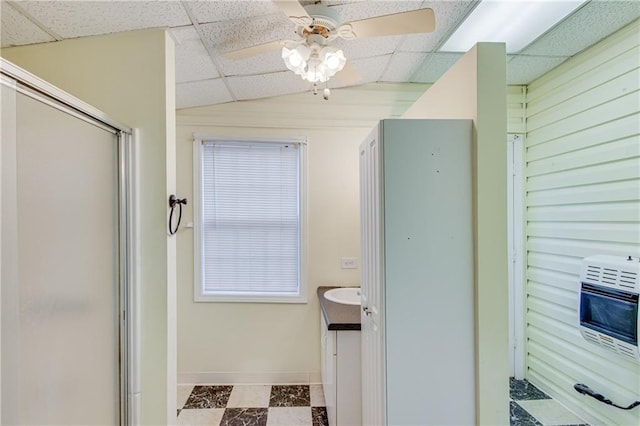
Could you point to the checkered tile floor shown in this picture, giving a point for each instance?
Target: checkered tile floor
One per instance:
(529, 406)
(252, 405)
(304, 405)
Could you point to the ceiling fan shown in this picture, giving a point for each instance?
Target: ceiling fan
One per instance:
(311, 55)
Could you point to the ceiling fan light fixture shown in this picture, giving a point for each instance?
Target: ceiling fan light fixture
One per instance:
(314, 63)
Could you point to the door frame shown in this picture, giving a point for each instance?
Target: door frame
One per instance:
(34, 87)
(515, 233)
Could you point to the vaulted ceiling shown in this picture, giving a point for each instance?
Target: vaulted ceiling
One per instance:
(205, 30)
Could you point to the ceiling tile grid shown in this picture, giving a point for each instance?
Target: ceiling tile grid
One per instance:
(205, 30)
(18, 30)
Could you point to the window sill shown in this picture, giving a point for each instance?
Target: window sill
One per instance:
(236, 298)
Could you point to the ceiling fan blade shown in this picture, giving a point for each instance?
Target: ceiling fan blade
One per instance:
(348, 75)
(294, 10)
(412, 22)
(254, 50)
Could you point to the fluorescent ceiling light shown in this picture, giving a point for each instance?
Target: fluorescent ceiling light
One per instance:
(514, 22)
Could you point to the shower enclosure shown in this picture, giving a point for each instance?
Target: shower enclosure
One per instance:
(64, 258)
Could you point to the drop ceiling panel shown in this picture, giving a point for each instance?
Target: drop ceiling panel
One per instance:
(267, 85)
(198, 93)
(524, 69)
(402, 66)
(85, 18)
(223, 10)
(434, 67)
(18, 30)
(448, 15)
(585, 27)
(192, 59)
(227, 36)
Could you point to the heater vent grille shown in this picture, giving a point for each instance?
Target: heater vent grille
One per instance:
(605, 341)
(616, 278)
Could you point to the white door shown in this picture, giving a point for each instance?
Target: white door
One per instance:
(373, 395)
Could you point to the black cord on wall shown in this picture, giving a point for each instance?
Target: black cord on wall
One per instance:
(173, 200)
(586, 390)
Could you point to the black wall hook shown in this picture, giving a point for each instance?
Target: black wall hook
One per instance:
(173, 200)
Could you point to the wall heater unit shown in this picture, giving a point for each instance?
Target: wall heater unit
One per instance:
(609, 303)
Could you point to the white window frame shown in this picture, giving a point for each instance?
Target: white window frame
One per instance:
(199, 294)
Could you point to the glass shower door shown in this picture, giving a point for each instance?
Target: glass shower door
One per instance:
(61, 358)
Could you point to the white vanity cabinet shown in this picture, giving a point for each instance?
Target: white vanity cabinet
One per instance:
(417, 283)
(341, 375)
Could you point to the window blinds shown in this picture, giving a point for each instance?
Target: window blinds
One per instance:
(250, 218)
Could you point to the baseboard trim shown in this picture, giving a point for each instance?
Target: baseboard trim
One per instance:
(242, 377)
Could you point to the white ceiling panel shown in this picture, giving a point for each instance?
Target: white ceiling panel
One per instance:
(227, 36)
(524, 69)
(267, 85)
(198, 93)
(594, 21)
(85, 18)
(224, 10)
(18, 30)
(419, 42)
(367, 47)
(448, 15)
(434, 67)
(402, 66)
(192, 59)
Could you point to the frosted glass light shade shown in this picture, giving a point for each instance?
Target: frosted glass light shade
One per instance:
(334, 59)
(296, 58)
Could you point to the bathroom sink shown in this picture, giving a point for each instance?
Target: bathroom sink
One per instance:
(344, 295)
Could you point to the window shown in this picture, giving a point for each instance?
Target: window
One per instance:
(250, 220)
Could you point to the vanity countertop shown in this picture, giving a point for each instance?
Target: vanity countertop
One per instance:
(338, 315)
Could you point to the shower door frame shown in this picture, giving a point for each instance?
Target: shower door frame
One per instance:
(40, 90)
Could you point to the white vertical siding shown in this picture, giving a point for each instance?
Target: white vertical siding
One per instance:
(582, 155)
